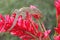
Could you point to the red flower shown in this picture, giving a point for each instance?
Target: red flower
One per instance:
(57, 5)
(36, 15)
(24, 28)
(57, 37)
(58, 29)
(2, 22)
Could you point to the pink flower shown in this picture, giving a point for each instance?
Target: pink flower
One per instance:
(32, 7)
(46, 33)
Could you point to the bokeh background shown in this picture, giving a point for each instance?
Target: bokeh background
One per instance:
(46, 6)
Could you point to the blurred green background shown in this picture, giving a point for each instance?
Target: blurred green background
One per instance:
(46, 6)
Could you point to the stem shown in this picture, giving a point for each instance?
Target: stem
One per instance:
(40, 25)
(43, 29)
(55, 34)
(31, 34)
(40, 38)
(48, 38)
(34, 27)
(15, 21)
